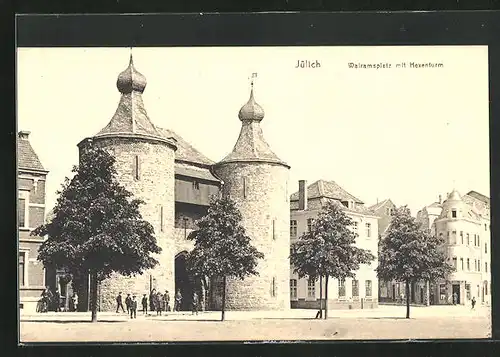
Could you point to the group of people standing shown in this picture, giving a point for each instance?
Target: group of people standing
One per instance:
(157, 302)
(51, 301)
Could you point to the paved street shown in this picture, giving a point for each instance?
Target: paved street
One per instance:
(386, 322)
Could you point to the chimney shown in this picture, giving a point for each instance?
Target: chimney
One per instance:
(302, 194)
(24, 135)
(440, 199)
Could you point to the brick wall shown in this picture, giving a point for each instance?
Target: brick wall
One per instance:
(156, 187)
(265, 201)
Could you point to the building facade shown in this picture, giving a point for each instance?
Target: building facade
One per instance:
(31, 179)
(176, 181)
(464, 224)
(256, 179)
(355, 293)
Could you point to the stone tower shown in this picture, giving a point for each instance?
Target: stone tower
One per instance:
(145, 166)
(256, 179)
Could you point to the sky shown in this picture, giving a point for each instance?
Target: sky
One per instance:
(408, 134)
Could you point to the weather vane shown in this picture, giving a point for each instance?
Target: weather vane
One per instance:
(254, 75)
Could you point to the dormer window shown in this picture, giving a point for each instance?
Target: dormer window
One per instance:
(196, 185)
(453, 213)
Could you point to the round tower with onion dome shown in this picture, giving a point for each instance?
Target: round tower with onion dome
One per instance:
(256, 179)
(145, 166)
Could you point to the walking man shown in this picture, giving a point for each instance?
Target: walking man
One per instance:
(128, 301)
(119, 302)
(178, 300)
(473, 302)
(195, 303)
(144, 304)
(133, 308)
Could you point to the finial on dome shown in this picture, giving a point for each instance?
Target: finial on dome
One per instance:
(130, 80)
(251, 111)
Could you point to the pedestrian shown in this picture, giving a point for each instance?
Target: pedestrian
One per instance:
(145, 304)
(57, 302)
(75, 302)
(119, 302)
(128, 301)
(455, 296)
(159, 303)
(133, 308)
(195, 303)
(166, 297)
(178, 300)
(473, 302)
(152, 296)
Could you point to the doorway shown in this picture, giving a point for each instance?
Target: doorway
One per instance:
(183, 282)
(456, 292)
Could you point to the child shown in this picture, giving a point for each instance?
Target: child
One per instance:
(133, 308)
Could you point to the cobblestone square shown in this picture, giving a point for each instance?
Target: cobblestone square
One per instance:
(386, 322)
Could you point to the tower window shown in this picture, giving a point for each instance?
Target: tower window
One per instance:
(161, 218)
(137, 169)
(274, 229)
(454, 213)
(468, 264)
(462, 263)
(245, 187)
(273, 287)
(462, 237)
(485, 267)
(485, 248)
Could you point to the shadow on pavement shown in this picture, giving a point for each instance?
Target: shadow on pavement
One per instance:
(70, 321)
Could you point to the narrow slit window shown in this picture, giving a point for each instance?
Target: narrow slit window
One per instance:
(244, 187)
(136, 167)
(161, 218)
(274, 229)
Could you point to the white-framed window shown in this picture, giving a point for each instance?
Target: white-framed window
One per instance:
(23, 202)
(341, 288)
(462, 263)
(368, 227)
(293, 288)
(355, 288)
(485, 267)
(485, 248)
(455, 262)
(468, 264)
(311, 288)
(293, 228)
(461, 237)
(368, 288)
(479, 265)
(468, 239)
(23, 267)
(355, 227)
(454, 237)
(309, 224)
(196, 185)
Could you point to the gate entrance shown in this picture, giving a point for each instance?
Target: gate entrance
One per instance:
(183, 282)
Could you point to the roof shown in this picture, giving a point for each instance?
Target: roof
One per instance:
(196, 172)
(479, 197)
(327, 189)
(379, 205)
(185, 151)
(251, 145)
(26, 156)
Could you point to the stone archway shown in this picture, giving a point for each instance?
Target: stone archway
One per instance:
(183, 282)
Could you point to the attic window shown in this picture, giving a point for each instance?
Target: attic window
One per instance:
(345, 203)
(453, 213)
(196, 185)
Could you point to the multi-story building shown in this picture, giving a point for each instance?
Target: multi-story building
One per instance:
(387, 290)
(464, 223)
(31, 178)
(359, 292)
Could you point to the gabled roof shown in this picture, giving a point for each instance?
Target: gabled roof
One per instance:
(26, 156)
(327, 189)
(185, 151)
(480, 197)
(381, 204)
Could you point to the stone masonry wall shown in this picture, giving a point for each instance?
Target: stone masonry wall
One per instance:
(265, 200)
(156, 187)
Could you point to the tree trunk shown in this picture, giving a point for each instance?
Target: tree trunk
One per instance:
(326, 297)
(223, 298)
(320, 297)
(93, 295)
(407, 292)
(427, 293)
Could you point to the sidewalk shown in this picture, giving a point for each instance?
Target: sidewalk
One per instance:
(382, 312)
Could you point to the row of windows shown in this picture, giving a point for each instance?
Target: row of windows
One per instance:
(311, 288)
(310, 222)
(477, 264)
(464, 239)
